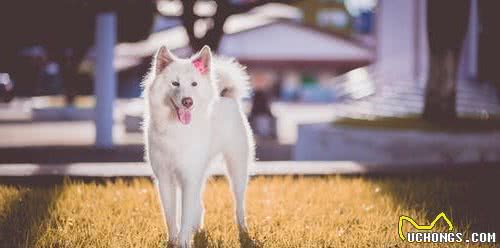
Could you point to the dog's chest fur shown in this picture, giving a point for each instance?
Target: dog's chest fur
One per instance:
(180, 146)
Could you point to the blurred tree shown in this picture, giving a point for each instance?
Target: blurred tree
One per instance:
(446, 26)
(215, 29)
(489, 40)
(65, 29)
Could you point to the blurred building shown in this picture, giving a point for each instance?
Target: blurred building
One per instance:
(285, 54)
(292, 51)
(297, 61)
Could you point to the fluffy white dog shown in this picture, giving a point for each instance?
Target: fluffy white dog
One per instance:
(193, 113)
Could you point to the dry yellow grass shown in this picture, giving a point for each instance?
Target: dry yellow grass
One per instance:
(282, 212)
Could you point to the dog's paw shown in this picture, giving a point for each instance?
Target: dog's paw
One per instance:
(172, 243)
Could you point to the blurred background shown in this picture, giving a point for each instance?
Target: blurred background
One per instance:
(373, 81)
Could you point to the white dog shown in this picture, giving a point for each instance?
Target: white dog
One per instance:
(193, 113)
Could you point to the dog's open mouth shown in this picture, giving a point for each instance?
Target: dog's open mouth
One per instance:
(183, 114)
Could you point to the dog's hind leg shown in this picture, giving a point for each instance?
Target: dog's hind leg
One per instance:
(237, 161)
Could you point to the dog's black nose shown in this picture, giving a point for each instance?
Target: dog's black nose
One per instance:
(187, 102)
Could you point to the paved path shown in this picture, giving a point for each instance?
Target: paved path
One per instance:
(266, 150)
(281, 168)
(141, 169)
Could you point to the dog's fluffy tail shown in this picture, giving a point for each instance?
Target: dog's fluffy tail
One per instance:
(232, 78)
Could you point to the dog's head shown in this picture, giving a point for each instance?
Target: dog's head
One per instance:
(182, 86)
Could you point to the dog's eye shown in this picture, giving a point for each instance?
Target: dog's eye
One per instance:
(175, 83)
(194, 84)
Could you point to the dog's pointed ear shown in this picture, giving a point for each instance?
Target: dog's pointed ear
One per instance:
(203, 60)
(162, 59)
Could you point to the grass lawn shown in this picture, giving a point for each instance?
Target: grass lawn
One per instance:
(414, 122)
(330, 211)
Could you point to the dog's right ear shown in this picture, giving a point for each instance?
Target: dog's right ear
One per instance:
(162, 59)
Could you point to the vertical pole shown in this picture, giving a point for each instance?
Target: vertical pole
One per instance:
(104, 78)
(473, 41)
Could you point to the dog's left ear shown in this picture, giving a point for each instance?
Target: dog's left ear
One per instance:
(203, 60)
(162, 59)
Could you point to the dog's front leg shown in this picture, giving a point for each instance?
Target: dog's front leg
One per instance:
(192, 209)
(167, 187)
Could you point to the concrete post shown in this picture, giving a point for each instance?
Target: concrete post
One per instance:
(104, 78)
(473, 39)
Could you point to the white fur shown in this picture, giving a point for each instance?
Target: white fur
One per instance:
(180, 154)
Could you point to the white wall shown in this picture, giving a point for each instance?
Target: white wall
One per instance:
(402, 45)
(397, 39)
(468, 65)
(422, 51)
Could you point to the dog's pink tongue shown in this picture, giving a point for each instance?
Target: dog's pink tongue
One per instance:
(184, 116)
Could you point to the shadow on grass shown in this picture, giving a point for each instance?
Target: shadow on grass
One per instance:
(469, 197)
(27, 214)
(246, 241)
(203, 239)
